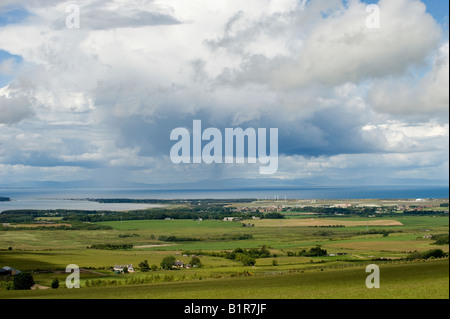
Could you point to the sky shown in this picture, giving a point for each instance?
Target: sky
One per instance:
(354, 104)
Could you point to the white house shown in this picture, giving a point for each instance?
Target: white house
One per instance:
(120, 268)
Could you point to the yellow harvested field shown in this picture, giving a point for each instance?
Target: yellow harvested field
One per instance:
(305, 222)
(397, 246)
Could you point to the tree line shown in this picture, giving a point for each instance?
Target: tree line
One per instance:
(92, 216)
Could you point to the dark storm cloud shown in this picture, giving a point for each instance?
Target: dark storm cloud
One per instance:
(14, 110)
(329, 132)
(45, 159)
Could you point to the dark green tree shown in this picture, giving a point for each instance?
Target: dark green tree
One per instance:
(317, 251)
(435, 253)
(195, 261)
(144, 266)
(168, 262)
(55, 283)
(23, 281)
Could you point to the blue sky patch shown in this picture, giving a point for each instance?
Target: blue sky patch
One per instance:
(5, 55)
(11, 16)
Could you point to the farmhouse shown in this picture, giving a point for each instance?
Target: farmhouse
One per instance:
(9, 271)
(179, 264)
(121, 268)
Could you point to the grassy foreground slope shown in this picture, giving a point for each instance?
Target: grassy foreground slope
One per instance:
(419, 280)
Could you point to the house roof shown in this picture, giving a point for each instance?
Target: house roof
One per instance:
(8, 268)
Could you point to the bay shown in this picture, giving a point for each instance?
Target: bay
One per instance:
(76, 198)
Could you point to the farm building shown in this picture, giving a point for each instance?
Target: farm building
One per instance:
(120, 268)
(9, 271)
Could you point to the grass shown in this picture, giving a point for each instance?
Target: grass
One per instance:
(413, 280)
(54, 249)
(188, 226)
(310, 222)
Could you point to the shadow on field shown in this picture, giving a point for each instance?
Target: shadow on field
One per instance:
(25, 261)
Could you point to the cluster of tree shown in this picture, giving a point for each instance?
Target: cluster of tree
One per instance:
(145, 267)
(72, 226)
(383, 232)
(245, 259)
(246, 256)
(19, 216)
(313, 252)
(432, 253)
(273, 215)
(176, 238)
(196, 262)
(22, 281)
(82, 217)
(262, 252)
(55, 283)
(364, 211)
(111, 246)
(440, 239)
(5, 199)
(193, 213)
(328, 226)
(414, 212)
(231, 237)
(443, 205)
(128, 235)
(170, 261)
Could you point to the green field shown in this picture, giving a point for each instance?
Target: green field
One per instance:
(413, 280)
(340, 274)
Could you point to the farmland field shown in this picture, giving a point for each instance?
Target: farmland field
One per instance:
(324, 222)
(415, 280)
(286, 271)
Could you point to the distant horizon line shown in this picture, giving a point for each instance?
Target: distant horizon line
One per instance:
(154, 187)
